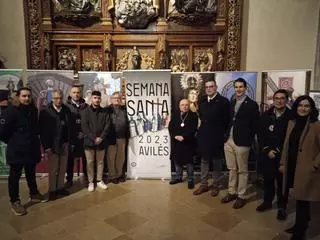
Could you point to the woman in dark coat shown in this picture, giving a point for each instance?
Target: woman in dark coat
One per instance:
(19, 129)
(182, 129)
(300, 162)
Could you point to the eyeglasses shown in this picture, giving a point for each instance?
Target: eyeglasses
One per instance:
(209, 86)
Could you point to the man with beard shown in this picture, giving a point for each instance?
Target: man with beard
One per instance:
(95, 125)
(19, 129)
(76, 105)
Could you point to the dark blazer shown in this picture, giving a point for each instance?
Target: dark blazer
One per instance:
(245, 123)
(214, 117)
(50, 128)
(20, 130)
(183, 152)
(95, 123)
(272, 132)
(119, 124)
(75, 120)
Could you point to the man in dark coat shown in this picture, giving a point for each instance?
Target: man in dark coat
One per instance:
(214, 113)
(20, 130)
(243, 127)
(56, 137)
(95, 125)
(182, 129)
(76, 104)
(273, 127)
(117, 138)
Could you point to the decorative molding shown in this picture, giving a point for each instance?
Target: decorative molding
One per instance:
(33, 18)
(78, 20)
(234, 35)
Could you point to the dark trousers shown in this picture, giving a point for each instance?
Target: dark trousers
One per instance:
(269, 182)
(70, 166)
(302, 219)
(179, 171)
(14, 178)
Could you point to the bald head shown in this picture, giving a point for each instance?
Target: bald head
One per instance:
(184, 105)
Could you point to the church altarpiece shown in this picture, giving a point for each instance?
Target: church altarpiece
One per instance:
(115, 35)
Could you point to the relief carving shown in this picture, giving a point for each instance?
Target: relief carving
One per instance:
(134, 14)
(192, 12)
(162, 49)
(67, 58)
(108, 52)
(92, 60)
(203, 60)
(47, 52)
(179, 60)
(220, 54)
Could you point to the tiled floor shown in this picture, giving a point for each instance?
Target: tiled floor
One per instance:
(140, 210)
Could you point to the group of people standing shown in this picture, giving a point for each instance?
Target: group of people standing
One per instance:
(288, 140)
(289, 143)
(67, 132)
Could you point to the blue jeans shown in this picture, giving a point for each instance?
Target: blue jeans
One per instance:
(179, 171)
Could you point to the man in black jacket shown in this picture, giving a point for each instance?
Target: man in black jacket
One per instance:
(95, 125)
(243, 127)
(56, 136)
(20, 130)
(76, 104)
(117, 139)
(273, 127)
(214, 113)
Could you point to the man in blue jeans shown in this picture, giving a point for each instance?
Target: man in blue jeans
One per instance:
(182, 129)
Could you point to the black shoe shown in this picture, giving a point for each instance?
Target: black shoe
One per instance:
(298, 236)
(190, 184)
(38, 198)
(18, 209)
(122, 179)
(115, 181)
(63, 192)
(240, 202)
(175, 181)
(281, 215)
(290, 230)
(229, 198)
(264, 207)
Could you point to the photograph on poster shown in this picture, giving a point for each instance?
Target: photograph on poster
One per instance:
(188, 85)
(225, 81)
(296, 82)
(105, 82)
(315, 95)
(43, 82)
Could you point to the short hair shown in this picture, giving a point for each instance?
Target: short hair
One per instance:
(96, 93)
(283, 91)
(23, 89)
(240, 80)
(115, 93)
(211, 80)
(57, 91)
(184, 99)
(314, 111)
(76, 86)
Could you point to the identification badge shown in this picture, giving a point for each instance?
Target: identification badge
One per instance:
(271, 127)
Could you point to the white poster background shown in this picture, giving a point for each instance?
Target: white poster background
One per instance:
(149, 143)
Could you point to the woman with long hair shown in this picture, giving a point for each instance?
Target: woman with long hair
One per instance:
(300, 162)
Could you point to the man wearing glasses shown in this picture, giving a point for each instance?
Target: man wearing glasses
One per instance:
(55, 135)
(214, 113)
(271, 137)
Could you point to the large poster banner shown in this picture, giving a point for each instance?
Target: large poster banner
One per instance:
(42, 84)
(225, 83)
(10, 82)
(105, 82)
(148, 99)
(296, 82)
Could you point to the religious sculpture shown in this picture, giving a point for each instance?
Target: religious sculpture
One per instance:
(192, 12)
(162, 49)
(191, 83)
(179, 60)
(203, 61)
(220, 55)
(136, 58)
(134, 13)
(67, 59)
(108, 51)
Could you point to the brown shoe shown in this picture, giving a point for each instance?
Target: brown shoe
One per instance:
(215, 191)
(240, 202)
(201, 189)
(229, 198)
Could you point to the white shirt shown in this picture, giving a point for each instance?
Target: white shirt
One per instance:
(211, 98)
(56, 108)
